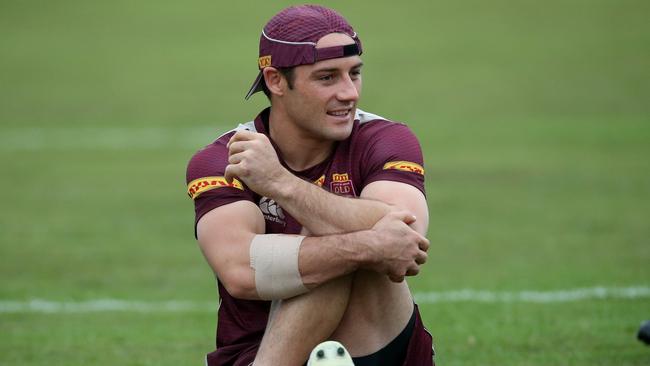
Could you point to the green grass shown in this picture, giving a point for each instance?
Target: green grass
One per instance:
(534, 119)
(585, 333)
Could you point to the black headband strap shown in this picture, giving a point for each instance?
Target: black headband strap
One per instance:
(337, 51)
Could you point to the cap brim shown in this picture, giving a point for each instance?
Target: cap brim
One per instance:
(257, 85)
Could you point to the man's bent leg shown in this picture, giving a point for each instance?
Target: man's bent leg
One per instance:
(378, 310)
(364, 312)
(298, 324)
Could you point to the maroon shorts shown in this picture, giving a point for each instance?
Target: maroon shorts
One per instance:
(240, 355)
(419, 351)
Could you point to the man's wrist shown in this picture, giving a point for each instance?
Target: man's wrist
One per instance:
(361, 248)
(290, 187)
(283, 186)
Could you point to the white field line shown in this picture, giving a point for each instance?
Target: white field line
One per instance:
(475, 296)
(531, 296)
(101, 305)
(107, 138)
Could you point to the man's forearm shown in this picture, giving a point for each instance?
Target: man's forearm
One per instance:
(327, 257)
(390, 248)
(253, 160)
(324, 213)
(227, 234)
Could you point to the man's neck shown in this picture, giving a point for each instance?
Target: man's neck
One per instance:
(299, 149)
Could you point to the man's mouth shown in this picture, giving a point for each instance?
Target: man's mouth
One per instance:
(340, 113)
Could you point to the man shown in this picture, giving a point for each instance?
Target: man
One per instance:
(312, 214)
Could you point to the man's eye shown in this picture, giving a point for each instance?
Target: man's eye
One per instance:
(355, 74)
(325, 78)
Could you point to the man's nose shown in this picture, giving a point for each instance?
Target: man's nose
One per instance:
(348, 91)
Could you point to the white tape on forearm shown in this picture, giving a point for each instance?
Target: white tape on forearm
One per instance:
(274, 258)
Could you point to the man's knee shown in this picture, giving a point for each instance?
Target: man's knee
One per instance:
(328, 300)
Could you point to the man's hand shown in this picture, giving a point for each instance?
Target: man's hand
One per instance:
(398, 250)
(253, 160)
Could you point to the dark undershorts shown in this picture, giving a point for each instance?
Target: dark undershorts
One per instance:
(394, 352)
(412, 347)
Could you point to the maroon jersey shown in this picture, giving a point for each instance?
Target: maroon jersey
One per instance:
(377, 149)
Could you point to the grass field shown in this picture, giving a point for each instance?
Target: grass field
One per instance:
(534, 118)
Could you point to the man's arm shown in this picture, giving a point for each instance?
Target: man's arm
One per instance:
(390, 247)
(324, 213)
(253, 159)
(402, 196)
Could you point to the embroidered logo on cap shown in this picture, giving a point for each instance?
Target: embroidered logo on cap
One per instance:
(264, 61)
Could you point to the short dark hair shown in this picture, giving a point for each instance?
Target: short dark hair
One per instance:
(287, 72)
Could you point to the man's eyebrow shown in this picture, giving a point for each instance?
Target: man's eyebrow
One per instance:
(334, 69)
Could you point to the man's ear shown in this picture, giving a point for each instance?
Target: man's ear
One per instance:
(274, 80)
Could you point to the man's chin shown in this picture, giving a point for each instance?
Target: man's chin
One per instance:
(341, 134)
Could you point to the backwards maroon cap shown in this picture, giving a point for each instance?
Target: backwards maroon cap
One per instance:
(289, 39)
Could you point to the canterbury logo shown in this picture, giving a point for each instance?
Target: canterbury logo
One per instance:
(406, 166)
(271, 210)
(264, 61)
(198, 186)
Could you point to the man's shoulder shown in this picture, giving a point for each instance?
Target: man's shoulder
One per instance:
(375, 126)
(211, 160)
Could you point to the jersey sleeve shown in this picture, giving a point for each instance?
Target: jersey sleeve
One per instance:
(206, 184)
(391, 152)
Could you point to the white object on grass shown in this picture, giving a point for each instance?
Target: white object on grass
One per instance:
(330, 353)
